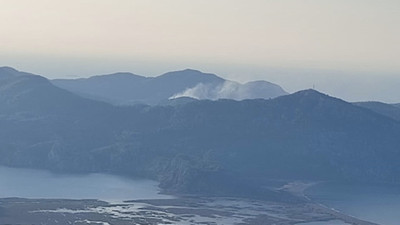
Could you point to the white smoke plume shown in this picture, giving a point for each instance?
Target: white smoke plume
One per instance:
(232, 90)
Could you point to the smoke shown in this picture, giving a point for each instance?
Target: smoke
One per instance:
(232, 90)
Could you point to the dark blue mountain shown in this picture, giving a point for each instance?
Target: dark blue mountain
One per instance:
(222, 147)
(389, 110)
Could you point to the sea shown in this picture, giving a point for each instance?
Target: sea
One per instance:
(32, 183)
(374, 203)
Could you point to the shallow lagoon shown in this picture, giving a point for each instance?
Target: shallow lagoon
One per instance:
(30, 183)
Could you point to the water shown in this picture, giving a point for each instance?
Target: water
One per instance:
(332, 222)
(374, 203)
(29, 183)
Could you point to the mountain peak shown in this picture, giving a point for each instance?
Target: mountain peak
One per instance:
(191, 75)
(311, 98)
(188, 70)
(7, 68)
(8, 72)
(121, 75)
(310, 93)
(185, 72)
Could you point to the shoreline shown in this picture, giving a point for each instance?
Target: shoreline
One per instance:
(299, 188)
(180, 211)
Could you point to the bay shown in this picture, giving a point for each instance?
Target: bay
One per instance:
(375, 203)
(31, 183)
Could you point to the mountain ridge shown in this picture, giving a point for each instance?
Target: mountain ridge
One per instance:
(234, 145)
(128, 89)
(9, 72)
(389, 110)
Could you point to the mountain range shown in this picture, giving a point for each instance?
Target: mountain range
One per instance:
(221, 147)
(130, 89)
(389, 110)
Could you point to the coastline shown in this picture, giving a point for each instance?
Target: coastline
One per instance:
(299, 188)
(174, 209)
(180, 211)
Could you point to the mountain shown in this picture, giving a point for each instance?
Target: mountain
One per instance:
(233, 90)
(38, 118)
(389, 110)
(129, 89)
(397, 105)
(8, 72)
(222, 147)
(28, 92)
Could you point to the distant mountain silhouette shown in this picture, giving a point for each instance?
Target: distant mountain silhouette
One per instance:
(222, 147)
(389, 110)
(7, 72)
(129, 89)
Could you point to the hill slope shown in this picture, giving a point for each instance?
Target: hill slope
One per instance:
(129, 89)
(388, 110)
(214, 147)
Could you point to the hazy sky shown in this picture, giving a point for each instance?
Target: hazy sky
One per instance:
(347, 48)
